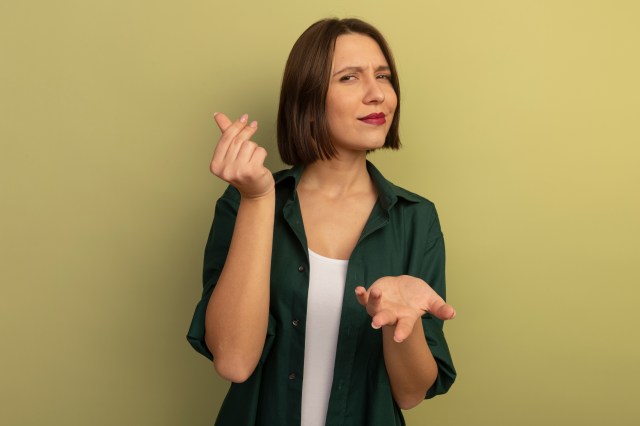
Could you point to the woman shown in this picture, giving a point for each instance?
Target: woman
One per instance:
(315, 303)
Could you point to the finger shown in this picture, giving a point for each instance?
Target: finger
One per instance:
(403, 329)
(382, 318)
(361, 295)
(246, 152)
(222, 121)
(445, 312)
(439, 308)
(375, 299)
(258, 157)
(228, 135)
(243, 136)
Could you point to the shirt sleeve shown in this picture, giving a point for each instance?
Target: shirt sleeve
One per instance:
(215, 254)
(431, 268)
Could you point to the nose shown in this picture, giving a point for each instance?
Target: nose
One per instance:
(373, 92)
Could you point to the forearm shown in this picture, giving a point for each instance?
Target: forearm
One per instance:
(410, 365)
(238, 311)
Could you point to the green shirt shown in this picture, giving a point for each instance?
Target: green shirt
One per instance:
(401, 237)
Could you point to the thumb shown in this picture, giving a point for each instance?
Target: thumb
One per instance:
(222, 121)
(442, 310)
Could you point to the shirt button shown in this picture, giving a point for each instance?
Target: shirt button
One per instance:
(295, 322)
(301, 268)
(292, 376)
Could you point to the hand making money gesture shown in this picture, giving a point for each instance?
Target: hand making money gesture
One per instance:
(239, 161)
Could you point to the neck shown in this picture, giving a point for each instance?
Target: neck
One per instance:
(337, 176)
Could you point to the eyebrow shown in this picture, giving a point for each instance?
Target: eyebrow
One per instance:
(360, 69)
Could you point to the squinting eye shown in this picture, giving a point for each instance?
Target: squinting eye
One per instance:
(384, 76)
(347, 77)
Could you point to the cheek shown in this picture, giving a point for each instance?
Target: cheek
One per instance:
(392, 99)
(335, 107)
(336, 119)
(332, 108)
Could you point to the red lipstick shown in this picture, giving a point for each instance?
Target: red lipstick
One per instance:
(377, 118)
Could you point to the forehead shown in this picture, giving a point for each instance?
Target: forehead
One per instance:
(357, 50)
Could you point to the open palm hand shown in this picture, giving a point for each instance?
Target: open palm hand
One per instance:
(400, 302)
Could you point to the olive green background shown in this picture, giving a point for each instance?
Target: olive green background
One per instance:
(520, 121)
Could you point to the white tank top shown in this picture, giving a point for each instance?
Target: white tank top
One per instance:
(327, 279)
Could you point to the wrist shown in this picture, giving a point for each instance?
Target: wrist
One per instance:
(267, 196)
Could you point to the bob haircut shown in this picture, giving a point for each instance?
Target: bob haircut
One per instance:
(302, 128)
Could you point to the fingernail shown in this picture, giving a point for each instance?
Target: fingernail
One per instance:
(215, 113)
(374, 326)
(244, 118)
(253, 124)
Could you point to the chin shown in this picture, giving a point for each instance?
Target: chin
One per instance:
(368, 144)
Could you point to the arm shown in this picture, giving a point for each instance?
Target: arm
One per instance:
(238, 310)
(410, 365)
(396, 305)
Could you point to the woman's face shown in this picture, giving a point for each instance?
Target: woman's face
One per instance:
(360, 100)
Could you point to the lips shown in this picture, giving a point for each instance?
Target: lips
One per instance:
(377, 118)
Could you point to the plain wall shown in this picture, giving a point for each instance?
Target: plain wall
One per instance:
(519, 120)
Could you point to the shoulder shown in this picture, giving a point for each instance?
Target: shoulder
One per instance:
(417, 213)
(412, 205)
(412, 197)
(394, 195)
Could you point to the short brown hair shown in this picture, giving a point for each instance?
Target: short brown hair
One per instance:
(302, 128)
